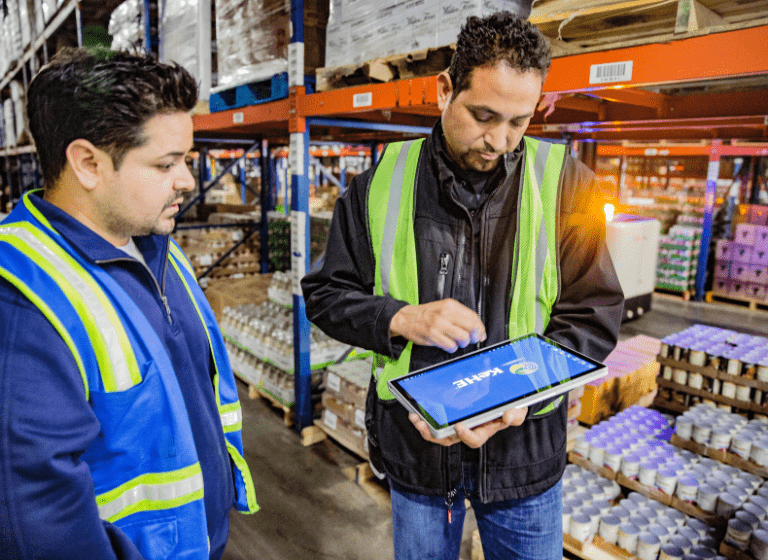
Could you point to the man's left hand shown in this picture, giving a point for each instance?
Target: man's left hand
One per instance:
(474, 437)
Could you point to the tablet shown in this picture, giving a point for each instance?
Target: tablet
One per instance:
(478, 387)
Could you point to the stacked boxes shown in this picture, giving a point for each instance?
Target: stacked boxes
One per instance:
(678, 257)
(346, 386)
(632, 371)
(362, 30)
(741, 266)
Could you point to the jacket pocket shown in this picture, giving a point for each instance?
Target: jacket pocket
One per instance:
(156, 539)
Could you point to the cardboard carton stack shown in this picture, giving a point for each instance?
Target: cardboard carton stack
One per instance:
(741, 267)
(346, 386)
(631, 379)
(679, 256)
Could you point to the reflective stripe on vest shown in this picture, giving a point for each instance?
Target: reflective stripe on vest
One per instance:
(152, 491)
(390, 214)
(227, 401)
(112, 348)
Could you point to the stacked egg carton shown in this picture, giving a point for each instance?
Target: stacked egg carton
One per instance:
(748, 528)
(643, 527)
(725, 431)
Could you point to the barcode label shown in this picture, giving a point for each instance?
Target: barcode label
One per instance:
(362, 100)
(611, 72)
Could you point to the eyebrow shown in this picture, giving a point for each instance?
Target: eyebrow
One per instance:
(495, 114)
(174, 154)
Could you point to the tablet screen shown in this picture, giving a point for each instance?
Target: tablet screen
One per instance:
(469, 385)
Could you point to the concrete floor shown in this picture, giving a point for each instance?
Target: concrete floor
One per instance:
(310, 510)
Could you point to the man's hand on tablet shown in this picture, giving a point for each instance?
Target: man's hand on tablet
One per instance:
(476, 436)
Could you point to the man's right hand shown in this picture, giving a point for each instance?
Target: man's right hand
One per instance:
(446, 324)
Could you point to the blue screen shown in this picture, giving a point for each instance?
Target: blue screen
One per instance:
(465, 387)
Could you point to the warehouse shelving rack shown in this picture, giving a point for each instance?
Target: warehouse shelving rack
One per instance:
(636, 108)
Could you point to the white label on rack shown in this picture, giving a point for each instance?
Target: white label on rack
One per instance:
(334, 382)
(238, 117)
(611, 72)
(362, 99)
(298, 245)
(714, 171)
(360, 418)
(296, 154)
(296, 64)
(330, 419)
(205, 260)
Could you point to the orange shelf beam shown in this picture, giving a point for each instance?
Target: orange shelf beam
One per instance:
(244, 118)
(697, 150)
(719, 55)
(415, 93)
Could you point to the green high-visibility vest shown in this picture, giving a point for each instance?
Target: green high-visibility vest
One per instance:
(534, 275)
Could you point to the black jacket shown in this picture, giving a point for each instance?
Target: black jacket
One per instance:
(518, 461)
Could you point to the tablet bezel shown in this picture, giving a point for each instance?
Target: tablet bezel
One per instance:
(444, 430)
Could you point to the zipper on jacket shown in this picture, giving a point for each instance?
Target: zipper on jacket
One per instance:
(445, 258)
(449, 504)
(163, 299)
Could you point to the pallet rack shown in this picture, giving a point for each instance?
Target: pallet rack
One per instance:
(661, 97)
(583, 111)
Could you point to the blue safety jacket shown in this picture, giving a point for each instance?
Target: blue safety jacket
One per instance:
(144, 463)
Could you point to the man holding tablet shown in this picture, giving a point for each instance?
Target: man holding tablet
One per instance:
(455, 243)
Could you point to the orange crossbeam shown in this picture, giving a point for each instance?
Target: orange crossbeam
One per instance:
(719, 55)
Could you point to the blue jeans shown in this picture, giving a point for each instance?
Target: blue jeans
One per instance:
(528, 528)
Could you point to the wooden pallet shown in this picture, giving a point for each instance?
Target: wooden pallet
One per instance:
(751, 304)
(289, 415)
(378, 490)
(720, 455)
(426, 62)
(684, 294)
(734, 553)
(580, 26)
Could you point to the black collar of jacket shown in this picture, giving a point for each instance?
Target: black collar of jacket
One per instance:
(446, 169)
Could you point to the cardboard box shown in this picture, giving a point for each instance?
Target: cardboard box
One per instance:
(226, 292)
(632, 375)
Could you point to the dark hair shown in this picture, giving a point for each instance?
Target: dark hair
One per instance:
(104, 97)
(499, 37)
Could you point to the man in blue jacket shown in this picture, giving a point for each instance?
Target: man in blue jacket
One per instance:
(120, 425)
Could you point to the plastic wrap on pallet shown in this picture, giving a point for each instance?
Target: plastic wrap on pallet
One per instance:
(9, 120)
(27, 19)
(19, 109)
(126, 26)
(185, 38)
(252, 40)
(362, 30)
(12, 30)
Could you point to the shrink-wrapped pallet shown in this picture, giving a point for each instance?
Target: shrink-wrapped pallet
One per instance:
(363, 30)
(185, 38)
(252, 39)
(126, 26)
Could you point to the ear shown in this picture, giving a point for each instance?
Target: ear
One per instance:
(444, 90)
(87, 162)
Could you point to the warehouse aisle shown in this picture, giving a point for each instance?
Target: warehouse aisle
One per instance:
(311, 510)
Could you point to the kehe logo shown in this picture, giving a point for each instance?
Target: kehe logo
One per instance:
(516, 367)
(523, 368)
